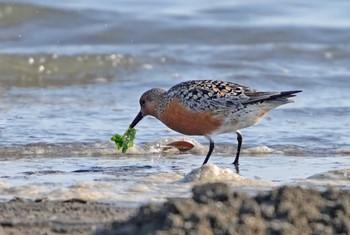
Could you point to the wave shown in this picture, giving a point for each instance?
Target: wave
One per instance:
(169, 146)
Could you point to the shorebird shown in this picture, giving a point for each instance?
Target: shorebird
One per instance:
(210, 107)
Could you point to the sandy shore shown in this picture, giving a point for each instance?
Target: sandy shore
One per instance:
(213, 209)
(58, 217)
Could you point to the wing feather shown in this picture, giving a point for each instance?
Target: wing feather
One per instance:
(208, 95)
(221, 97)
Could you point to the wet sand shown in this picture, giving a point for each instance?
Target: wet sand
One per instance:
(58, 217)
(213, 209)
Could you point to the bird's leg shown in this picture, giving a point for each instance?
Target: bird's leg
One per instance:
(239, 139)
(211, 148)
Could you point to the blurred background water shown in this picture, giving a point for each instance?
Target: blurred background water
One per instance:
(71, 74)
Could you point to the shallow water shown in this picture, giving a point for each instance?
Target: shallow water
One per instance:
(72, 74)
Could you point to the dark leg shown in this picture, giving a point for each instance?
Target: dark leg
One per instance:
(239, 139)
(211, 148)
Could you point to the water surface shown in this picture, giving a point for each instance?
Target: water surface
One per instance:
(72, 74)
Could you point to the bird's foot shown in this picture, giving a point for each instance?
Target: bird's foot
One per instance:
(236, 164)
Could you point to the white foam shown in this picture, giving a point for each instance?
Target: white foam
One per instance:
(3, 185)
(338, 178)
(89, 191)
(345, 150)
(166, 146)
(162, 177)
(258, 150)
(212, 173)
(333, 175)
(25, 191)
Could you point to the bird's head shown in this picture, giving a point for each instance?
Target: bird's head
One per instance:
(149, 104)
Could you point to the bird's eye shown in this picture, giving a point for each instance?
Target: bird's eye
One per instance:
(142, 102)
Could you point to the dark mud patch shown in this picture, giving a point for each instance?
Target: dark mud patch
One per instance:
(215, 209)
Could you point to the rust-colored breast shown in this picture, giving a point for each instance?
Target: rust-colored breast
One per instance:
(185, 121)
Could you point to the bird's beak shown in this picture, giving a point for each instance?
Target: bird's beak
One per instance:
(136, 120)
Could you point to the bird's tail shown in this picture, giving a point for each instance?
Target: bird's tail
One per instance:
(280, 97)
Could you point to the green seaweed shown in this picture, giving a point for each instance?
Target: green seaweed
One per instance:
(124, 141)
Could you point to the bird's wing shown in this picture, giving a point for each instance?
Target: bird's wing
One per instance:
(208, 95)
(220, 96)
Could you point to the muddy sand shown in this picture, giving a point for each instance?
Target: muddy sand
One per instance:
(213, 209)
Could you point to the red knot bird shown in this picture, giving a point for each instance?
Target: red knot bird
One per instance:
(210, 107)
